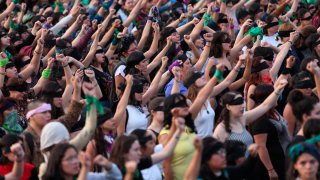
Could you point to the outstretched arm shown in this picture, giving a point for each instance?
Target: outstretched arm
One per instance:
(194, 166)
(87, 61)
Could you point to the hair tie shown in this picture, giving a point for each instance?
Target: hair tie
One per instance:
(93, 100)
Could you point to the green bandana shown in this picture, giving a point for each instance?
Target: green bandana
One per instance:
(4, 62)
(206, 17)
(11, 123)
(255, 32)
(93, 100)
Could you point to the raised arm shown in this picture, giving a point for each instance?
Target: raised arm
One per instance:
(176, 80)
(35, 61)
(154, 45)
(239, 5)
(193, 48)
(82, 139)
(145, 32)
(154, 86)
(205, 92)
(92, 78)
(205, 54)
(246, 24)
(192, 172)
(293, 9)
(44, 78)
(313, 68)
(6, 12)
(246, 75)
(281, 55)
(73, 28)
(120, 115)
(169, 147)
(133, 14)
(254, 114)
(156, 61)
(87, 61)
(18, 165)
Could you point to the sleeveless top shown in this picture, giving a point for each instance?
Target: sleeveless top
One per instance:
(205, 120)
(136, 119)
(244, 137)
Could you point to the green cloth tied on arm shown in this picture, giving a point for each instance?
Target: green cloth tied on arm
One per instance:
(12, 25)
(93, 100)
(115, 40)
(255, 32)
(46, 73)
(206, 17)
(218, 74)
(15, 1)
(4, 62)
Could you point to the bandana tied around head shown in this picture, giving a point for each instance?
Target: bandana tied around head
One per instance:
(93, 100)
(255, 32)
(43, 108)
(11, 123)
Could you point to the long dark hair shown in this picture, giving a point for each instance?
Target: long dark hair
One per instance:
(216, 48)
(54, 170)
(171, 102)
(227, 98)
(121, 147)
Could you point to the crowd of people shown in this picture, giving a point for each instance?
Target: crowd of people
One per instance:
(158, 89)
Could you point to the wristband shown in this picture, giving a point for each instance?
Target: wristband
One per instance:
(106, 5)
(218, 74)
(15, 1)
(4, 62)
(150, 18)
(46, 73)
(115, 41)
(232, 27)
(93, 100)
(255, 32)
(206, 17)
(12, 25)
(286, 71)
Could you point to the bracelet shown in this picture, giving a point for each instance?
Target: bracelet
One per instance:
(36, 52)
(46, 73)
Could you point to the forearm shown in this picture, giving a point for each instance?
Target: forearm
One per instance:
(279, 59)
(144, 35)
(174, 24)
(194, 166)
(184, 28)
(121, 107)
(107, 37)
(97, 89)
(134, 13)
(2, 76)
(164, 79)
(87, 61)
(203, 57)
(70, 30)
(154, 46)
(62, 23)
(17, 171)
(195, 51)
(6, 12)
(82, 139)
(176, 86)
(265, 158)
(293, 8)
(156, 61)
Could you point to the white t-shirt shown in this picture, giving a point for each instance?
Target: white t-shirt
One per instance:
(155, 171)
(135, 119)
(120, 71)
(205, 120)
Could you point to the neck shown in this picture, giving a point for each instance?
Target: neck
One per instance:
(271, 33)
(156, 125)
(3, 48)
(67, 177)
(308, 178)
(36, 128)
(98, 66)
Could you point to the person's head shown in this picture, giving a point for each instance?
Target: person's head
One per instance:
(125, 148)
(21, 61)
(127, 45)
(242, 16)
(221, 44)
(136, 92)
(311, 128)
(303, 82)
(53, 133)
(194, 81)
(304, 17)
(236, 151)
(265, 52)
(304, 162)
(146, 141)
(187, 65)
(39, 113)
(7, 107)
(128, 5)
(213, 155)
(52, 94)
(233, 108)
(272, 25)
(16, 88)
(223, 22)
(313, 43)
(306, 61)
(261, 92)
(284, 31)
(170, 31)
(63, 162)
(5, 40)
(156, 107)
(99, 57)
(177, 101)
(11, 70)
(303, 107)
(136, 63)
(5, 143)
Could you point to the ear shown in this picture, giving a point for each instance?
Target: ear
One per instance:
(228, 107)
